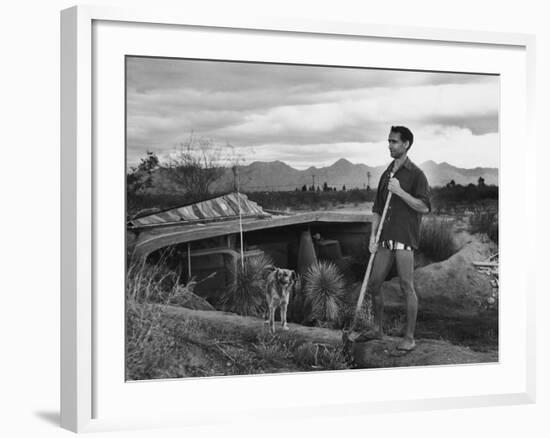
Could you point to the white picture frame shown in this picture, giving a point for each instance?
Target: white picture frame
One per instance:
(86, 374)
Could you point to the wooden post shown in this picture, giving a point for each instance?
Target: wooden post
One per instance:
(189, 260)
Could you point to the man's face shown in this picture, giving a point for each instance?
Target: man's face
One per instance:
(397, 147)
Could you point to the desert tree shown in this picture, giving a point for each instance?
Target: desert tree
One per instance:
(195, 165)
(139, 178)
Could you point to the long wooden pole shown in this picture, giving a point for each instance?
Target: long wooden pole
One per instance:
(236, 176)
(189, 260)
(369, 266)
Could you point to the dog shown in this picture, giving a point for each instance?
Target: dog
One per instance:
(279, 285)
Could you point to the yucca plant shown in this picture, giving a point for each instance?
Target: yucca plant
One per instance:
(324, 290)
(246, 293)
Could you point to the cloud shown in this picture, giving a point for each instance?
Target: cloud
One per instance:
(257, 107)
(453, 145)
(147, 73)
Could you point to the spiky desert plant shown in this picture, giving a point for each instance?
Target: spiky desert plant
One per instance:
(245, 294)
(324, 290)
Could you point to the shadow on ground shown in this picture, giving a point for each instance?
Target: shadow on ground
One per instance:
(51, 417)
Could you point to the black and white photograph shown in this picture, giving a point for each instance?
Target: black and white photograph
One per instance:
(289, 218)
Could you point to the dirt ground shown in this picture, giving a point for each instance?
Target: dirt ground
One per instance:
(243, 345)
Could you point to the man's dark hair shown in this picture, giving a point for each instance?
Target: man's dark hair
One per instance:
(404, 133)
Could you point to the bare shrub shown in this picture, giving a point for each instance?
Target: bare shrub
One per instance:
(195, 165)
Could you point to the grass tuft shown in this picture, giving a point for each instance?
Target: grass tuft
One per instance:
(485, 222)
(437, 238)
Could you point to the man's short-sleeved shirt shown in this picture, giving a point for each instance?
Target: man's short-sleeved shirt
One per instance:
(402, 223)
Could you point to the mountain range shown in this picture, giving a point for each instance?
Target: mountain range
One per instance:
(277, 175)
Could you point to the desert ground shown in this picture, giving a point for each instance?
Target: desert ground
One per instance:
(176, 333)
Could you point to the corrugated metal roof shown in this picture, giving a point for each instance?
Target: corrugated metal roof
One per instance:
(220, 208)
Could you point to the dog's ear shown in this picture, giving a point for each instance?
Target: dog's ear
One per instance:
(293, 276)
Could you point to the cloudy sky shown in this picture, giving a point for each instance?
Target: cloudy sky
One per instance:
(309, 116)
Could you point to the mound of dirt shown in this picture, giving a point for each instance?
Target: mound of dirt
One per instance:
(455, 282)
(193, 301)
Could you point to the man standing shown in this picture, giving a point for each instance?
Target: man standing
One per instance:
(401, 230)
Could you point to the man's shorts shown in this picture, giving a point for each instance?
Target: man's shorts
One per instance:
(393, 245)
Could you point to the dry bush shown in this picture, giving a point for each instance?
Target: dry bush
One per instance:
(437, 238)
(485, 222)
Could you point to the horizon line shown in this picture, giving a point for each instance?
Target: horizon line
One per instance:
(379, 165)
(128, 165)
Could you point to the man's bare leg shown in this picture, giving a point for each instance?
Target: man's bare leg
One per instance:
(383, 260)
(405, 268)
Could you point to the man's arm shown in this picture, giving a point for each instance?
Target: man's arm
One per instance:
(415, 203)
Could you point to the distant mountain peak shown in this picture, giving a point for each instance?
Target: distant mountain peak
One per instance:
(268, 163)
(342, 161)
(429, 163)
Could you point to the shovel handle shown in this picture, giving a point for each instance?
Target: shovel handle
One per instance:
(369, 266)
